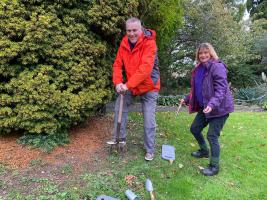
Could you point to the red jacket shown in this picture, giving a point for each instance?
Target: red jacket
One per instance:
(140, 64)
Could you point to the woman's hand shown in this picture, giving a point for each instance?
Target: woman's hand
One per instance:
(181, 101)
(207, 110)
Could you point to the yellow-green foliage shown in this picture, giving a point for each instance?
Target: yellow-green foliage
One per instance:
(163, 16)
(108, 16)
(55, 64)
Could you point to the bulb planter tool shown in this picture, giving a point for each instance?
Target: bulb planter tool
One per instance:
(149, 188)
(118, 146)
(130, 195)
(179, 108)
(168, 153)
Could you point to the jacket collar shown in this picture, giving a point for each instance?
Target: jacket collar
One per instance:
(146, 34)
(208, 64)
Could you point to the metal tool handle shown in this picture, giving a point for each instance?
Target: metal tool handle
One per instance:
(120, 108)
(178, 109)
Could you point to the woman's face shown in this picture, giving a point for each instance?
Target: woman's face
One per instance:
(204, 55)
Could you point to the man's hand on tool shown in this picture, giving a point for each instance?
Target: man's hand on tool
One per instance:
(124, 88)
(207, 109)
(119, 88)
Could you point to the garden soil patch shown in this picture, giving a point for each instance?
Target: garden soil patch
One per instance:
(86, 140)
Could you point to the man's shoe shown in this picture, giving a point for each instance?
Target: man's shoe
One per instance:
(200, 154)
(121, 141)
(111, 142)
(211, 170)
(149, 156)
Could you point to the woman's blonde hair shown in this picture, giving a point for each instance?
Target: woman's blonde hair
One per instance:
(210, 48)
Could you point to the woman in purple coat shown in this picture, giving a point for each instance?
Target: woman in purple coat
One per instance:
(211, 98)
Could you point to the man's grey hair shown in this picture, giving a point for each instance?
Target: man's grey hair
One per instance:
(132, 20)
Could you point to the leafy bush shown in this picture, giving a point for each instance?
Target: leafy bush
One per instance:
(255, 95)
(55, 63)
(45, 142)
(165, 17)
(169, 100)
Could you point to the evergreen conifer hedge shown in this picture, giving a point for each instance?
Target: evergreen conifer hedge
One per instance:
(56, 61)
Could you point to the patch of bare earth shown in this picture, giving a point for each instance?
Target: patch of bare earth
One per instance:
(85, 142)
(63, 166)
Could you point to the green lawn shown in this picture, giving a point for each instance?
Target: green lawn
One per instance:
(243, 172)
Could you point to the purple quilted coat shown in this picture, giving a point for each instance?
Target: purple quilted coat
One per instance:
(215, 90)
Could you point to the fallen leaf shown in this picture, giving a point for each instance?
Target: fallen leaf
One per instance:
(238, 158)
(129, 179)
(162, 135)
(192, 144)
(200, 167)
(109, 174)
(238, 167)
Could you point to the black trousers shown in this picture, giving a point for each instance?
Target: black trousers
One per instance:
(215, 126)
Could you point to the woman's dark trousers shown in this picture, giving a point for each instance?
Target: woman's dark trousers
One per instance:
(215, 126)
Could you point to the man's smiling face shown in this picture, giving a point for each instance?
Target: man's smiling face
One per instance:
(133, 31)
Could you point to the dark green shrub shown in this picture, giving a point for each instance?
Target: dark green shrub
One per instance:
(45, 142)
(241, 76)
(169, 100)
(264, 105)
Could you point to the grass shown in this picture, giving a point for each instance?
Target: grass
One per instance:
(243, 161)
(243, 172)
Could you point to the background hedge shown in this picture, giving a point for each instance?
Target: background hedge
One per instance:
(56, 61)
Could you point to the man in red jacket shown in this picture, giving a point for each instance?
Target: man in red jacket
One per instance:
(137, 56)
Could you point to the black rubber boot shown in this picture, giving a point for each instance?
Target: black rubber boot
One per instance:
(211, 170)
(200, 154)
